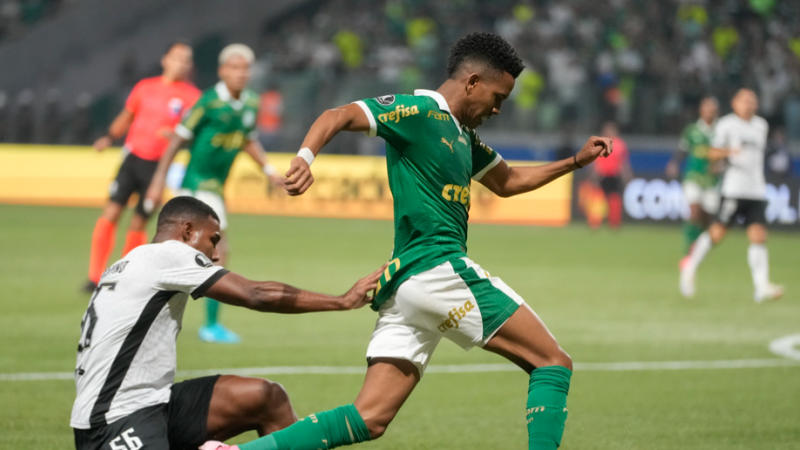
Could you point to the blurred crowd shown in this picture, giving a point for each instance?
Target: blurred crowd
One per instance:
(642, 64)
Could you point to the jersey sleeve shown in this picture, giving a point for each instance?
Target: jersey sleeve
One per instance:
(134, 98)
(721, 135)
(193, 120)
(188, 270)
(484, 158)
(390, 116)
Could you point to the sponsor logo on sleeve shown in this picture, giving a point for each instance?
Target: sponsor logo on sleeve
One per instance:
(202, 260)
(385, 100)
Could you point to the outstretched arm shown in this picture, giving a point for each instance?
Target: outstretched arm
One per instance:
(116, 130)
(154, 192)
(328, 124)
(254, 149)
(506, 181)
(272, 296)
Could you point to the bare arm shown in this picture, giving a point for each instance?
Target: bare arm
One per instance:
(119, 126)
(506, 181)
(254, 149)
(344, 118)
(156, 188)
(272, 296)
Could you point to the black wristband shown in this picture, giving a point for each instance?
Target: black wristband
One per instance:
(575, 160)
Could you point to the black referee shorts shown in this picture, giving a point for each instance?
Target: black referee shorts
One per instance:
(177, 425)
(134, 176)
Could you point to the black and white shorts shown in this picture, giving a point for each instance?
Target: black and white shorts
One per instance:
(747, 210)
(177, 425)
(134, 176)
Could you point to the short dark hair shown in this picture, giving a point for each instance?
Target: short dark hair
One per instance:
(184, 207)
(487, 48)
(174, 44)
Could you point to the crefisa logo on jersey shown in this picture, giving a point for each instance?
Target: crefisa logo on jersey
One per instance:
(202, 260)
(175, 106)
(385, 100)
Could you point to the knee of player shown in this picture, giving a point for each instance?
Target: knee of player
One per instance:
(274, 394)
(561, 358)
(376, 423)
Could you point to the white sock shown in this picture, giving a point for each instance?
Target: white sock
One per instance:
(759, 265)
(699, 250)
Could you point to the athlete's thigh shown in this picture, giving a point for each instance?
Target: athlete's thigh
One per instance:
(239, 404)
(146, 428)
(124, 183)
(754, 212)
(525, 340)
(728, 211)
(188, 412)
(710, 201)
(143, 173)
(692, 192)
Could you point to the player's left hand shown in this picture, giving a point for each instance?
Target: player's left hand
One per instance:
(298, 177)
(594, 147)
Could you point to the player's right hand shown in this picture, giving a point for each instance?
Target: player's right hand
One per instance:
(362, 292)
(298, 177)
(102, 143)
(153, 197)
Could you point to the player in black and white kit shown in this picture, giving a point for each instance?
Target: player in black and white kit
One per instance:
(126, 363)
(744, 136)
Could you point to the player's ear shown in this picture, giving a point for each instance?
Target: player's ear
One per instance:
(472, 81)
(186, 229)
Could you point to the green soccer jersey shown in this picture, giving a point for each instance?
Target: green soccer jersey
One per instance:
(695, 141)
(219, 126)
(430, 158)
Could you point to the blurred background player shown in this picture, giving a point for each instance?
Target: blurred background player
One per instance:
(611, 174)
(153, 108)
(701, 176)
(221, 124)
(743, 135)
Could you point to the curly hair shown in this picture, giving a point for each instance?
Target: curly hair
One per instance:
(485, 47)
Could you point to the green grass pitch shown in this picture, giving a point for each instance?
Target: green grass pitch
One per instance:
(607, 296)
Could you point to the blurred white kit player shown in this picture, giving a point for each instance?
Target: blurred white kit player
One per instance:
(744, 135)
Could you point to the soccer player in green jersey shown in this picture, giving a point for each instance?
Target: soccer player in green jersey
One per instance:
(431, 289)
(701, 176)
(220, 124)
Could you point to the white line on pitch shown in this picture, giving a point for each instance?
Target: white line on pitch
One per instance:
(450, 368)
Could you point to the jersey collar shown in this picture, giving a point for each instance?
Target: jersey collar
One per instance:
(441, 102)
(704, 127)
(225, 95)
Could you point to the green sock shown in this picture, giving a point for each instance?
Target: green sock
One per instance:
(212, 312)
(690, 233)
(328, 429)
(547, 406)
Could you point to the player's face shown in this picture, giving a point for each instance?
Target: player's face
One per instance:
(204, 236)
(745, 103)
(235, 73)
(177, 63)
(485, 95)
(709, 110)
